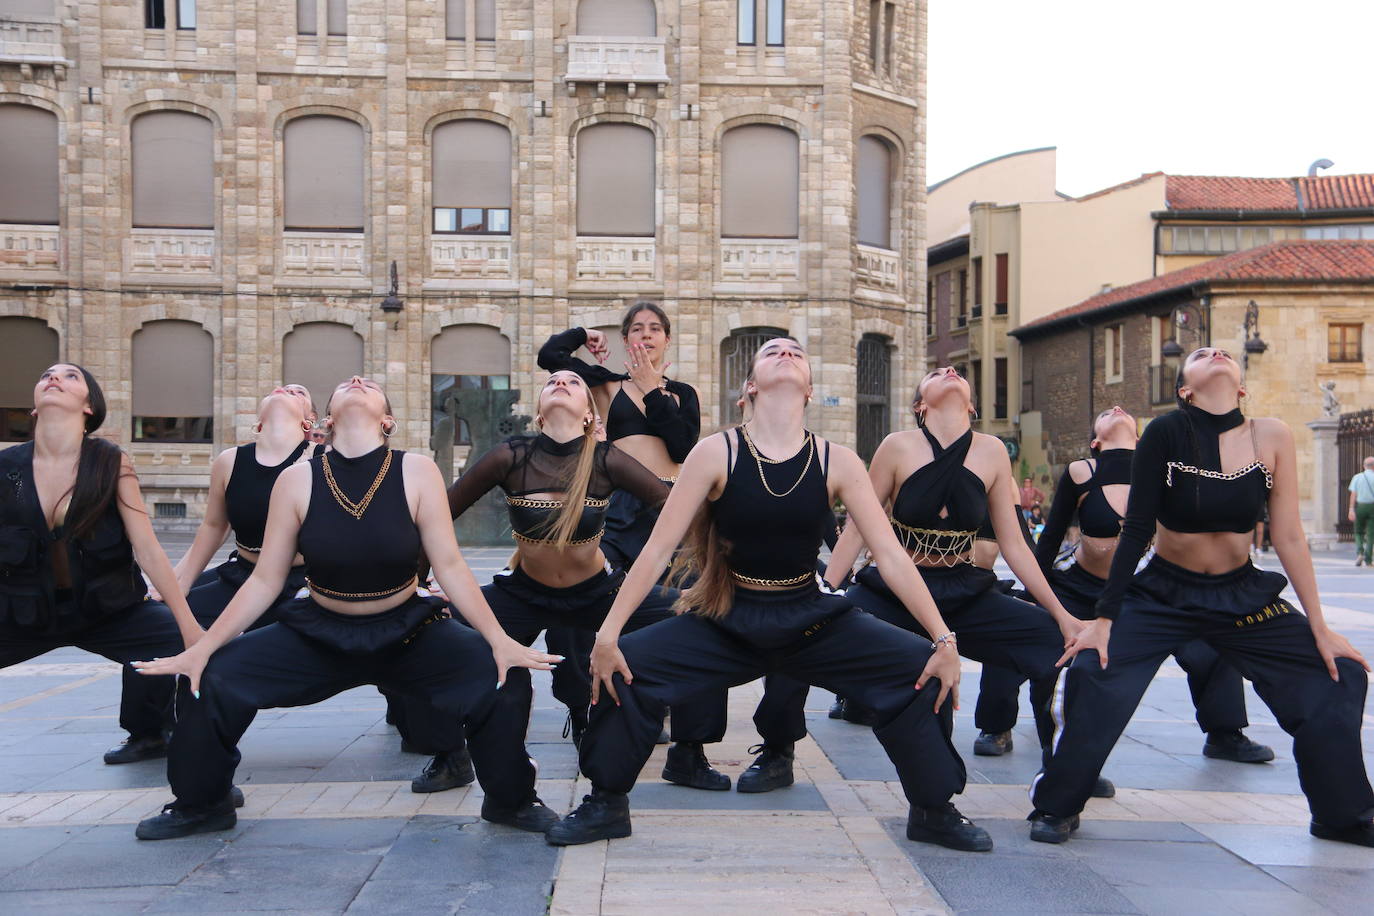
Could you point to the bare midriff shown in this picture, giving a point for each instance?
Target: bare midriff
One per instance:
(650, 452)
(1207, 552)
(251, 556)
(363, 608)
(1094, 555)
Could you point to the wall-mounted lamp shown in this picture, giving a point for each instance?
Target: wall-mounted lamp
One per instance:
(1186, 316)
(1253, 343)
(392, 302)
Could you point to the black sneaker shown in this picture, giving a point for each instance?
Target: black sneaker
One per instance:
(236, 796)
(534, 816)
(136, 749)
(771, 769)
(1046, 828)
(449, 770)
(945, 826)
(575, 726)
(1360, 834)
(601, 816)
(992, 744)
(176, 822)
(859, 714)
(1103, 788)
(687, 766)
(1235, 746)
(836, 709)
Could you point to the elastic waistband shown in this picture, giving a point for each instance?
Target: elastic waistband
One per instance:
(1162, 566)
(519, 577)
(1080, 573)
(364, 619)
(802, 592)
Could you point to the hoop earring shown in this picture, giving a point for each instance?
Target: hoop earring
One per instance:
(973, 413)
(387, 433)
(307, 427)
(258, 428)
(588, 423)
(539, 422)
(920, 419)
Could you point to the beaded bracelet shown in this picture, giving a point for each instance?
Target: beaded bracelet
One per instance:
(947, 638)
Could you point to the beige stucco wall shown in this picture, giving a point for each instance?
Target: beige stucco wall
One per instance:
(1015, 177)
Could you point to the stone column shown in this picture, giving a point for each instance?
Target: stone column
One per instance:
(1321, 532)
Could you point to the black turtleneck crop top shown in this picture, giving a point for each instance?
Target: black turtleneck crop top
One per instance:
(672, 413)
(249, 491)
(359, 548)
(1096, 517)
(774, 514)
(1177, 481)
(943, 485)
(531, 470)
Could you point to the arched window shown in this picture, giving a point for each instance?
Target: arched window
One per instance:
(467, 356)
(873, 181)
(736, 359)
(874, 392)
(174, 382)
(28, 166)
(173, 170)
(616, 185)
(324, 174)
(760, 182)
(320, 355)
(617, 18)
(472, 177)
(27, 347)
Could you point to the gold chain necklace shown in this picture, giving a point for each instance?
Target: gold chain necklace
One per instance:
(355, 509)
(759, 462)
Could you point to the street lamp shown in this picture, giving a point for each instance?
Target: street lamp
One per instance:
(392, 302)
(1185, 316)
(1253, 343)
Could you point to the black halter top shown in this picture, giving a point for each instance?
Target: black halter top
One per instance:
(940, 507)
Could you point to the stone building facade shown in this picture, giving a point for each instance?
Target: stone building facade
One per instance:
(203, 199)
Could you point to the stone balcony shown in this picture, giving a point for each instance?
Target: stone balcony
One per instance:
(30, 249)
(172, 252)
(470, 257)
(752, 260)
(324, 258)
(878, 268)
(33, 42)
(618, 59)
(605, 258)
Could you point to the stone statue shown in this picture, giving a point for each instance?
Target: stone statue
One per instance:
(1331, 405)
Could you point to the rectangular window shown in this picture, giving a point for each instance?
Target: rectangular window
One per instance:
(186, 15)
(975, 382)
(977, 268)
(1343, 343)
(875, 33)
(307, 18)
(999, 390)
(944, 296)
(484, 22)
(1113, 344)
(889, 26)
(748, 25)
(472, 220)
(775, 17)
(173, 429)
(455, 19)
(154, 14)
(963, 298)
(169, 510)
(336, 17)
(1003, 283)
(930, 308)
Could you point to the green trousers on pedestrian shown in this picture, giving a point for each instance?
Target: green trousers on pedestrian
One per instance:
(1364, 532)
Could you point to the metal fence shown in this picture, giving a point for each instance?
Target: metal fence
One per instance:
(1354, 443)
(736, 359)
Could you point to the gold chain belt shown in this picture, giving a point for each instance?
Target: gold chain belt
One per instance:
(360, 596)
(574, 542)
(751, 580)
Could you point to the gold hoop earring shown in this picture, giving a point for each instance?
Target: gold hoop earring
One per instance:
(307, 427)
(387, 433)
(588, 423)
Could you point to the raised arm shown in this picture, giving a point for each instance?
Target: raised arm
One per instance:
(214, 528)
(1066, 495)
(557, 353)
(148, 553)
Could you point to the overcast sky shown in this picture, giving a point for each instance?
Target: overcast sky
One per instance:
(1189, 87)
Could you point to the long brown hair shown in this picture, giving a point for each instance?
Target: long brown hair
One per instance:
(98, 469)
(564, 525)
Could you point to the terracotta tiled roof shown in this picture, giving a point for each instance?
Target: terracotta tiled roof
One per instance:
(1325, 192)
(1282, 261)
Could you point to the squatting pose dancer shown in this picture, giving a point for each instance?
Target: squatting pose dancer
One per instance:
(656, 420)
(1199, 479)
(760, 496)
(942, 482)
(558, 486)
(73, 537)
(359, 515)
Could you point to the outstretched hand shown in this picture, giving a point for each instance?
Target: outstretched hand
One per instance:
(943, 664)
(511, 654)
(606, 661)
(1094, 636)
(189, 663)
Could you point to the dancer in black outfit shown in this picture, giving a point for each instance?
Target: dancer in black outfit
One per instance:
(657, 421)
(755, 608)
(558, 486)
(359, 515)
(1199, 478)
(940, 493)
(74, 537)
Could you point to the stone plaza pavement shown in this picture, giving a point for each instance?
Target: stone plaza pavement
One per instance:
(331, 826)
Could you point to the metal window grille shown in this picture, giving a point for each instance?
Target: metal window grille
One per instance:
(874, 363)
(736, 359)
(169, 510)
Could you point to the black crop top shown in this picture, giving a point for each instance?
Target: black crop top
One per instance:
(1176, 480)
(944, 484)
(249, 491)
(774, 534)
(523, 466)
(1096, 517)
(677, 421)
(352, 555)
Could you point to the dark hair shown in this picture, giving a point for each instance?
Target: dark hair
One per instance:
(98, 469)
(917, 398)
(641, 306)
